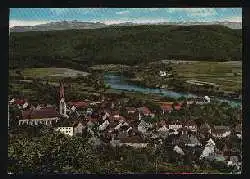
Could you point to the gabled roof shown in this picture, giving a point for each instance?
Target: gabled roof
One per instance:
(221, 127)
(167, 107)
(131, 109)
(19, 101)
(190, 123)
(178, 106)
(45, 112)
(193, 140)
(144, 110)
(205, 126)
(78, 125)
(78, 104)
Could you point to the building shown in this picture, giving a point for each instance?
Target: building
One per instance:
(238, 131)
(131, 110)
(191, 125)
(78, 129)
(44, 115)
(221, 131)
(163, 73)
(175, 125)
(62, 105)
(66, 130)
(209, 149)
(145, 111)
(166, 108)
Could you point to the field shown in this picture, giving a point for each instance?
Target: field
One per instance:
(228, 75)
(52, 72)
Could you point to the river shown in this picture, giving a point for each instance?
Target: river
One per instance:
(120, 82)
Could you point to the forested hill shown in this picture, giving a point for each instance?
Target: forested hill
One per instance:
(126, 45)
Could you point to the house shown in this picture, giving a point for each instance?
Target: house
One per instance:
(166, 108)
(209, 149)
(233, 161)
(66, 130)
(104, 125)
(19, 102)
(44, 115)
(106, 115)
(191, 125)
(202, 100)
(163, 73)
(193, 141)
(178, 150)
(178, 106)
(221, 131)
(143, 127)
(205, 128)
(238, 131)
(78, 104)
(184, 130)
(116, 114)
(130, 110)
(175, 125)
(145, 111)
(78, 129)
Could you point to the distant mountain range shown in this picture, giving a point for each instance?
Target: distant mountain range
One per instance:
(65, 25)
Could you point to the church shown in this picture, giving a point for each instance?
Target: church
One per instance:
(45, 115)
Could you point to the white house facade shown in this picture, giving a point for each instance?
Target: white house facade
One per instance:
(66, 130)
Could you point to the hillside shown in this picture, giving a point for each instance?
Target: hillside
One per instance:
(125, 45)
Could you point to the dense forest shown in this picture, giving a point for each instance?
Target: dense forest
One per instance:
(123, 45)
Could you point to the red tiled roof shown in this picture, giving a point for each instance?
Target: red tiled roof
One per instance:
(131, 109)
(79, 104)
(190, 123)
(178, 106)
(19, 101)
(48, 112)
(115, 113)
(167, 107)
(144, 110)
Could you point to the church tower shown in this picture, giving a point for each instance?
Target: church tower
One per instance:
(62, 106)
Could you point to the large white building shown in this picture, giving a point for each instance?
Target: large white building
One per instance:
(66, 130)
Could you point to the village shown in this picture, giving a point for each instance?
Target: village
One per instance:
(116, 123)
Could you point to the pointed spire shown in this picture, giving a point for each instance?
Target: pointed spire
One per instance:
(61, 90)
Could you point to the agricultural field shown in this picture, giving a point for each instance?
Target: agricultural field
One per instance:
(228, 75)
(52, 72)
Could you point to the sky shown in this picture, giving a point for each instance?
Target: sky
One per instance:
(35, 16)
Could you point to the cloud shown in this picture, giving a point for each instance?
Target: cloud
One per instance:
(194, 12)
(13, 23)
(138, 21)
(122, 12)
(63, 11)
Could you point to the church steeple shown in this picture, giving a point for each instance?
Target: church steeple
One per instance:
(61, 90)
(62, 106)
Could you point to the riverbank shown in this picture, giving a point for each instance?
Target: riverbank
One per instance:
(119, 82)
(219, 79)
